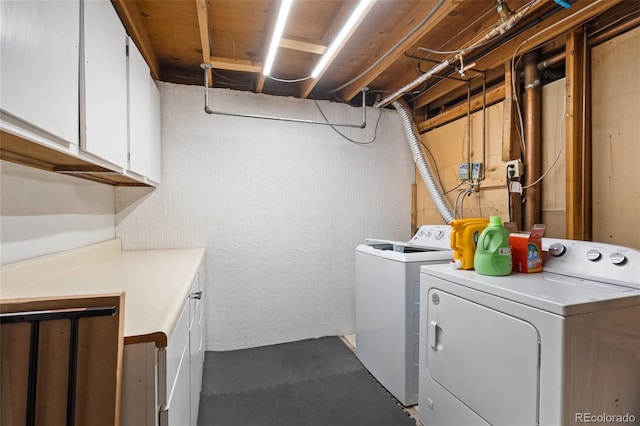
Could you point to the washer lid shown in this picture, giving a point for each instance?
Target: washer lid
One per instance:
(412, 253)
(558, 294)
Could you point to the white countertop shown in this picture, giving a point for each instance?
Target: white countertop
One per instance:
(156, 283)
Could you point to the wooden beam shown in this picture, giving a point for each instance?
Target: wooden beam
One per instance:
(574, 125)
(492, 96)
(235, 64)
(423, 8)
(302, 46)
(132, 21)
(552, 27)
(260, 83)
(203, 27)
(340, 17)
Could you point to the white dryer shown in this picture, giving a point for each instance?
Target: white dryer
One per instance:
(561, 347)
(387, 295)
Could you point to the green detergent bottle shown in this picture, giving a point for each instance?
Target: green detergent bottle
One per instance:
(493, 253)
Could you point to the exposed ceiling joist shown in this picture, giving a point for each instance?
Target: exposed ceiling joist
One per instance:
(132, 20)
(540, 33)
(340, 17)
(422, 9)
(302, 46)
(235, 64)
(203, 27)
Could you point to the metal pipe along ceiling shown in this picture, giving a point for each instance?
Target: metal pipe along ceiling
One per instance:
(207, 67)
(436, 193)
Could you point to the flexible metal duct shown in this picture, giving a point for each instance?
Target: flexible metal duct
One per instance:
(436, 193)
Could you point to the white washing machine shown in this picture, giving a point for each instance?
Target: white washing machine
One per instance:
(561, 347)
(388, 305)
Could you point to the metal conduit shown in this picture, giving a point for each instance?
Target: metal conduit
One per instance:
(436, 193)
(206, 68)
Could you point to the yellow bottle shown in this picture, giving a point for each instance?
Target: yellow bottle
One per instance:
(464, 237)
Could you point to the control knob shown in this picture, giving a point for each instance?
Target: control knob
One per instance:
(593, 255)
(439, 235)
(617, 258)
(557, 249)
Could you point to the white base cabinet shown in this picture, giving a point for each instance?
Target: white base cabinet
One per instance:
(161, 386)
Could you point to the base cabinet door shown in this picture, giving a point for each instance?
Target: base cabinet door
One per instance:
(178, 409)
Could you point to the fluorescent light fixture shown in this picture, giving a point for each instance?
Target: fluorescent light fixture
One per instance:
(285, 7)
(346, 31)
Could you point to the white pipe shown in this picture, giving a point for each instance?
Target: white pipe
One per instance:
(436, 193)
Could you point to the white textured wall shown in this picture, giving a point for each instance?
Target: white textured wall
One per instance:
(45, 212)
(279, 207)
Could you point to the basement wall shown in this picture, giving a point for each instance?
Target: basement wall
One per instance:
(449, 146)
(279, 206)
(615, 140)
(44, 212)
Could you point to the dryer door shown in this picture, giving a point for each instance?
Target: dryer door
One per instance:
(488, 360)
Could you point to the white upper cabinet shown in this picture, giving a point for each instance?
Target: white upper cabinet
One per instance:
(39, 57)
(104, 127)
(156, 135)
(144, 120)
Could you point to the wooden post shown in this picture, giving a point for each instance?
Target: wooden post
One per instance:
(574, 135)
(511, 149)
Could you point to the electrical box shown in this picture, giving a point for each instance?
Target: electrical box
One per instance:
(477, 171)
(463, 171)
(514, 169)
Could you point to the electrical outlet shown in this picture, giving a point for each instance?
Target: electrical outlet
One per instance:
(514, 169)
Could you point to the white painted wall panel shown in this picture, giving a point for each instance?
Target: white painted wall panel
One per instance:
(280, 208)
(44, 212)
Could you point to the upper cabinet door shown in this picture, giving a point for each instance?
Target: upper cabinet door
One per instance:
(139, 112)
(144, 117)
(104, 130)
(39, 56)
(156, 133)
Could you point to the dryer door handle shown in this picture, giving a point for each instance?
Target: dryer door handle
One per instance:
(434, 335)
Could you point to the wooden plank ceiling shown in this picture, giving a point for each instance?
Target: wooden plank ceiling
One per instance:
(385, 52)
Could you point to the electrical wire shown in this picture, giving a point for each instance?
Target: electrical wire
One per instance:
(282, 80)
(353, 141)
(560, 126)
(472, 45)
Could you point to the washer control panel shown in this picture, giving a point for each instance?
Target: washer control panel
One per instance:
(592, 260)
(433, 236)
